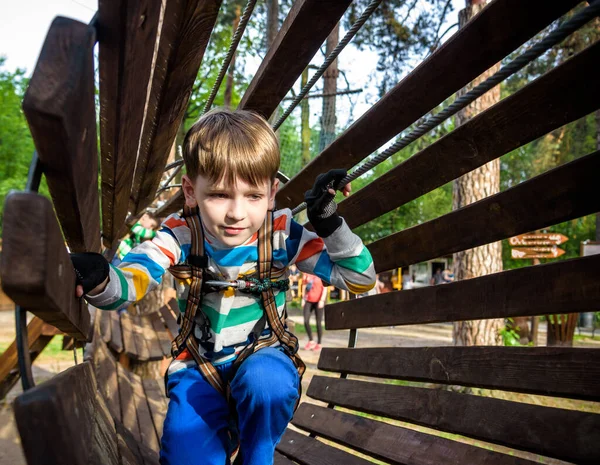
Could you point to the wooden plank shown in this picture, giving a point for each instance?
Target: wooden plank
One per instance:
(151, 337)
(555, 99)
(537, 290)
(157, 402)
(309, 451)
(173, 205)
(60, 421)
(166, 311)
(104, 325)
(306, 27)
(116, 334)
(147, 431)
(129, 447)
(143, 350)
(163, 336)
(126, 34)
(104, 447)
(128, 406)
(60, 109)
(279, 459)
(394, 444)
(550, 371)
(479, 45)
(108, 384)
(562, 194)
(186, 28)
(553, 432)
(43, 279)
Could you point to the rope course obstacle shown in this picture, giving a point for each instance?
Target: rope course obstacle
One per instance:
(100, 412)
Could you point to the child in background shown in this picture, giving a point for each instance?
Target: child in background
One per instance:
(143, 230)
(314, 295)
(232, 159)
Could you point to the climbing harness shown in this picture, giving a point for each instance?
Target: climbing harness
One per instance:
(196, 270)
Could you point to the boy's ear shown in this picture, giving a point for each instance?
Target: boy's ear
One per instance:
(188, 191)
(273, 193)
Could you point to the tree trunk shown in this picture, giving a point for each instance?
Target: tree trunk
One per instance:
(328, 115)
(471, 187)
(305, 122)
(231, 70)
(272, 21)
(561, 329)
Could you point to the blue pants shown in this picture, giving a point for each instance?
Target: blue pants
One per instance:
(198, 429)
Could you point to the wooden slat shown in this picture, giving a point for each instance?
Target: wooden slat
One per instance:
(60, 109)
(553, 432)
(142, 344)
(151, 337)
(126, 35)
(128, 405)
(306, 27)
(559, 195)
(184, 35)
(157, 402)
(43, 279)
(394, 444)
(537, 290)
(104, 325)
(551, 371)
(116, 334)
(484, 41)
(106, 374)
(147, 431)
(557, 98)
(279, 459)
(129, 446)
(61, 421)
(164, 340)
(130, 340)
(309, 451)
(173, 205)
(166, 311)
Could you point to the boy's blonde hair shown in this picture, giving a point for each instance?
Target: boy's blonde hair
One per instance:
(228, 145)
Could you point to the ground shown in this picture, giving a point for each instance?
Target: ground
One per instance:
(53, 361)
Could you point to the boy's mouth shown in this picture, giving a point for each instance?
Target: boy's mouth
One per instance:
(233, 231)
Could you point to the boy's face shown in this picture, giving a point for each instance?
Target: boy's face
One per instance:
(231, 213)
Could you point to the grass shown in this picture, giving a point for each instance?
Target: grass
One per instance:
(52, 353)
(583, 337)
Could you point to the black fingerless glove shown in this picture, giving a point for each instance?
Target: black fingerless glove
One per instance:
(320, 206)
(91, 269)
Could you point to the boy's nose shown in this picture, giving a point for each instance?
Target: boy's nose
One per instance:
(236, 211)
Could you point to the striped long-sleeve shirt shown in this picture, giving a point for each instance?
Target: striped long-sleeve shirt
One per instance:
(340, 259)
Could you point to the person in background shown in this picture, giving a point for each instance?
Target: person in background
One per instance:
(143, 230)
(407, 281)
(294, 277)
(314, 295)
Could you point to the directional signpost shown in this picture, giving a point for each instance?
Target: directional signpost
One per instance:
(537, 245)
(536, 252)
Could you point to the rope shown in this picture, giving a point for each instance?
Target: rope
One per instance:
(506, 71)
(237, 36)
(332, 56)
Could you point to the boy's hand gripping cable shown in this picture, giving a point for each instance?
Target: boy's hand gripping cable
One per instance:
(91, 269)
(320, 204)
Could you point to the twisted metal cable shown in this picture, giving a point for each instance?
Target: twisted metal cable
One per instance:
(237, 36)
(506, 71)
(330, 58)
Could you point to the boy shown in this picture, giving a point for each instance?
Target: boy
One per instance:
(232, 159)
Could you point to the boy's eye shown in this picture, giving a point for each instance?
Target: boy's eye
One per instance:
(255, 196)
(218, 195)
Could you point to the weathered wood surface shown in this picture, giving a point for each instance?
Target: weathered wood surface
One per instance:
(106, 373)
(309, 451)
(129, 340)
(67, 409)
(151, 337)
(148, 434)
(157, 401)
(482, 43)
(60, 109)
(186, 28)
(39, 335)
(394, 444)
(551, 371)
(555, 99)
(164, 339)
(564, 193)
(128, 405)
(168, 315)
(306, 27)
(126, 34)
(279, 459)
(116, 333)
(564, 434)
(43, 279)
(569, 286)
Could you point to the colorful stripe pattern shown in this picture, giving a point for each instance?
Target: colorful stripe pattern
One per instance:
(340, 259)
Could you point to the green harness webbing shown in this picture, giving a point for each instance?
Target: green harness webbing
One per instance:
(193, 316)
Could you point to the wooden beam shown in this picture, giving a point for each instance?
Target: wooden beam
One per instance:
(530, 291)
(555, 99)
(60, 109)
(565, 193)
(173, 205)
(394, 444)
(306, 27)
(550, 371)
(64, 420)
(553, 432)
(309, 451)
(35, 267)
(483, 42)
(186, 28)
(127, 33)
